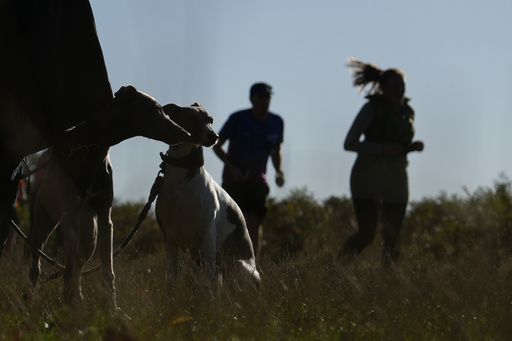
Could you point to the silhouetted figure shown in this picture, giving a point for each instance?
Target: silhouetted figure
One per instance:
(254, 135)
(379, 177)
(53, 77)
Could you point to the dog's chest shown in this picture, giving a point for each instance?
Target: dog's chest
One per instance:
(188, 188)
(186, 202)
(191, 211)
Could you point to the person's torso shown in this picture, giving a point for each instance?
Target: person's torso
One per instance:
(251, 141)
(388, 126)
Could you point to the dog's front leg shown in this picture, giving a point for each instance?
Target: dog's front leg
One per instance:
(43, 224)
(71, 229)
(105, 239)
(208, 252)
(171, 251)
(48, 212)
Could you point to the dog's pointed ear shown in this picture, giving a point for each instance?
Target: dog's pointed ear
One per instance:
(125, 89)
(196, 104)
(170, 109)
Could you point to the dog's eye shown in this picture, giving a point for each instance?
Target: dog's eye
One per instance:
(208, 119)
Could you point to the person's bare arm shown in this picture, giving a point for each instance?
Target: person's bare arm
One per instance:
(275, 155)
(238, 174)
(217, 148)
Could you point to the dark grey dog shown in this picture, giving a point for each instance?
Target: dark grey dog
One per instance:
(78, 190)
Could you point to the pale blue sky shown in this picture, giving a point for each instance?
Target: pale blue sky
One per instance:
(457, 56)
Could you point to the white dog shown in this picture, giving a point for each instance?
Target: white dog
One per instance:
(193, 211)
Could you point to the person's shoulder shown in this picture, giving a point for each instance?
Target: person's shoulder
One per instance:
(374, 103)
(375, 98)
(368, 106)
(275, 117)
(240, 115)
(275, 121)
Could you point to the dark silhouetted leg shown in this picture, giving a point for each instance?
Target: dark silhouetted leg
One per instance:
(393, 217)
(367, 214)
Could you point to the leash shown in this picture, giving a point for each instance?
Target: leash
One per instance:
(155, 189)
(39, 252)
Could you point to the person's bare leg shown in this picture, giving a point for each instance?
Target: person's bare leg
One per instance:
(255, 228)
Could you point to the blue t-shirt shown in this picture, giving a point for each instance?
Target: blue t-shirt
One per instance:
(250, 143)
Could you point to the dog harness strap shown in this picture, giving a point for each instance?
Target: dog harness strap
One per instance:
(193, 160)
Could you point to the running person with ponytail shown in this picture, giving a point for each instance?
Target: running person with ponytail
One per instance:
(379, 176)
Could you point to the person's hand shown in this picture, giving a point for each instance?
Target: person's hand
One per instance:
(279, 179)
(417, 146)
(392, 149)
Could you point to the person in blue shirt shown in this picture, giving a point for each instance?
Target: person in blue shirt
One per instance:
(254, 134)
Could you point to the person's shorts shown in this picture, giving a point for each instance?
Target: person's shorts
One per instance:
(250, 198)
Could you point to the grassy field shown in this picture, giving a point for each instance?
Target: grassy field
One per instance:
(453, 281)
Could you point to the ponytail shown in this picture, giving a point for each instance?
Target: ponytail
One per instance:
(365, 74)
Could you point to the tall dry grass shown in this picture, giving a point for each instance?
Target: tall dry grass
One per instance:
(451, 283)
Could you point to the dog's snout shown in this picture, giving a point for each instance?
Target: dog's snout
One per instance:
(214, 137)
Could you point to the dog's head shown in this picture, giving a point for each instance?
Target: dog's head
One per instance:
(196, 120)
(134, 113)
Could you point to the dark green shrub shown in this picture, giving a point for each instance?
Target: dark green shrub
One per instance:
(289, 222)
(299, 222)
(451, 225)
(444, 226)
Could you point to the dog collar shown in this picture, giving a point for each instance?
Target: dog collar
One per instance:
(195, 159)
